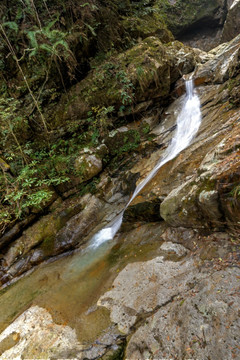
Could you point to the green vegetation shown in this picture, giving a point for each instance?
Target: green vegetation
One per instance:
(99, 122)
(72, 72)
(131, 142)
(46, 47)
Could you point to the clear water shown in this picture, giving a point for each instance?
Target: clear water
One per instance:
(68, 287)
(188, 123)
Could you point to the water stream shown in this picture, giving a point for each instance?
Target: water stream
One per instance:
(188, 122)
(70, 286)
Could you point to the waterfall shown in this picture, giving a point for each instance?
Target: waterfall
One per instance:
(188, 122)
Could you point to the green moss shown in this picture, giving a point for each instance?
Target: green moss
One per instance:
(48, 245)
(117, 83)
(148, 25)
(183, 14)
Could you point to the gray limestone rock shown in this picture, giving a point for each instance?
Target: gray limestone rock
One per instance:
(202, 323)
(209, 203)
(178, 249)
(156, 281)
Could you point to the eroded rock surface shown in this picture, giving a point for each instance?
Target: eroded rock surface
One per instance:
(144, 280)
(200, 323)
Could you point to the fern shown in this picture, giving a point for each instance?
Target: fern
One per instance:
(83, 5)
(50, 25)
(32, 37)
(47, 48)
(54, 37)
(11, 25)
(91, 29)
(63, 43)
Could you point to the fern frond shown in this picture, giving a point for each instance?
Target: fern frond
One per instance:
(55, 35)
(32, 37)
(33, 52)
(51, 24)
(83, 5)
(61, 43)
(11, 25)
(47, 48)
(91, 29)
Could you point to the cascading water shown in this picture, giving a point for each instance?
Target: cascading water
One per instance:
(188, 123)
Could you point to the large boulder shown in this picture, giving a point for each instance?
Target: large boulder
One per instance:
(174, 308)
(80, 168)
(19, 338)
(87, 166)
(222, 65)
(144, 72)
(232, 24)
(144, 280)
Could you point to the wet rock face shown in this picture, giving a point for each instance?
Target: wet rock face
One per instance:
(143, 211)
(78, 227)
(222, 65)
(52, 235)
(203, 37)
(203, 24)
(213, 195)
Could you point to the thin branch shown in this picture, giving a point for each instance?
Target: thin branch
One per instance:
(24, 77)
(36, 13)
(17, 142)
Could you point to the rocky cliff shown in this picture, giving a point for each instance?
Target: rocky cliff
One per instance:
(168, 285)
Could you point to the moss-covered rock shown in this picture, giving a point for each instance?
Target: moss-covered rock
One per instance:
(42, 232)
(122, 140)
(87, 166)
(181, 15)
(148, 25)
(180, 208)
(143, 72)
